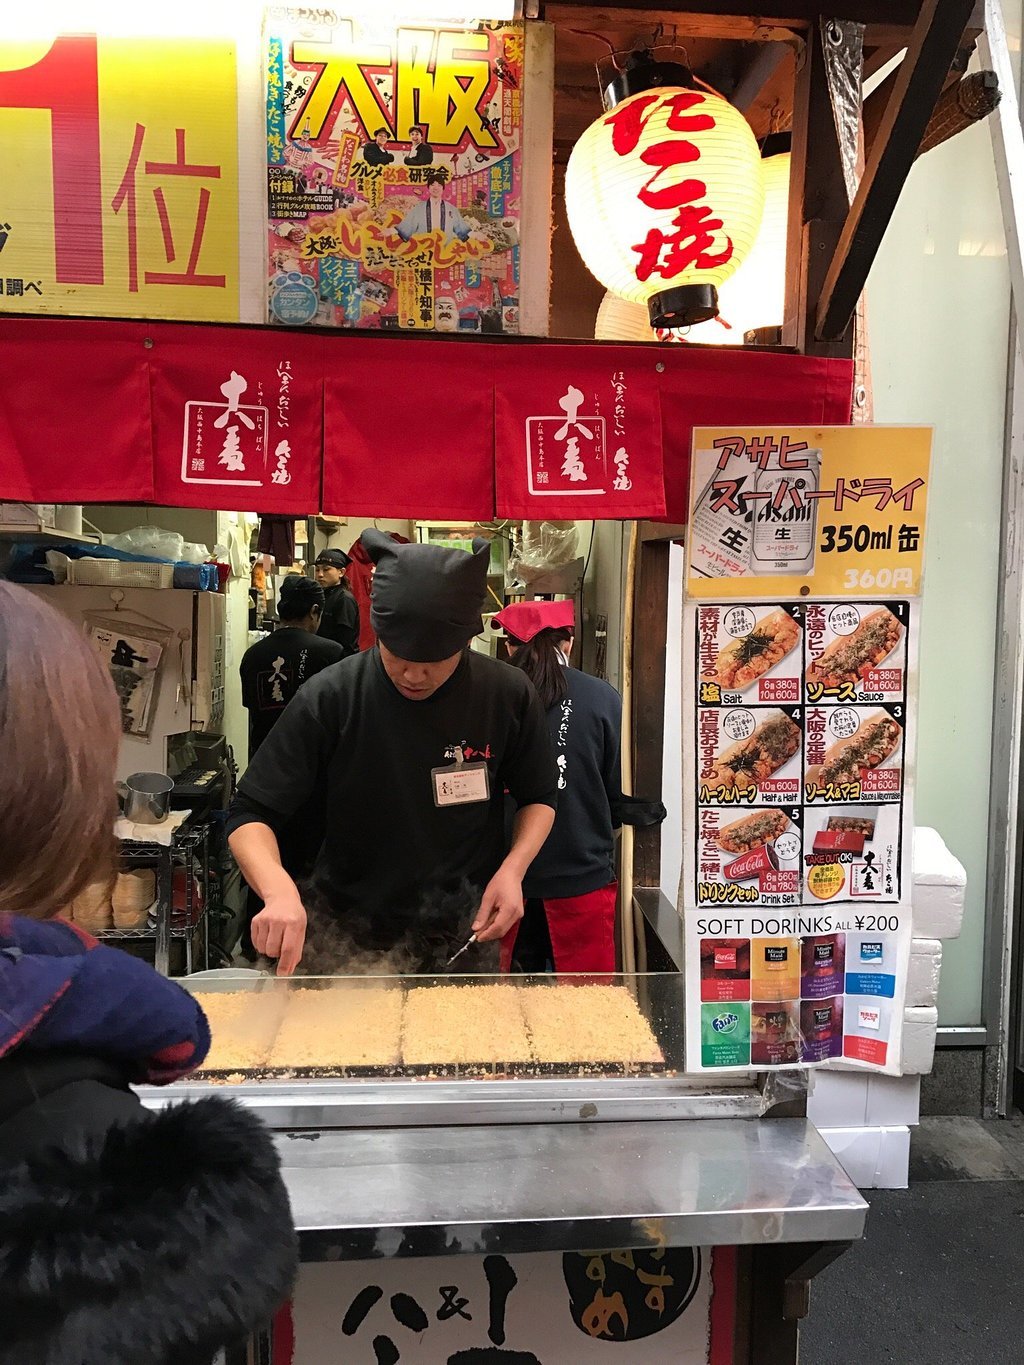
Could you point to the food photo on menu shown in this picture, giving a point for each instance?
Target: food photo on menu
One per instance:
(853, 753)
(743, 754)
(856, 652)
(752, 860)
(749, 654)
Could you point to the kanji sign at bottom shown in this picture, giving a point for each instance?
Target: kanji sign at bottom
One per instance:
(541, 1309)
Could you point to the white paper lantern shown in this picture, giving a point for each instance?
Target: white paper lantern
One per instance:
(752, 298)
(756, 294)
(664, 199)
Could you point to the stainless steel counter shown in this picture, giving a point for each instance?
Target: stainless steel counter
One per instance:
(331, 1104)
(365, 1193)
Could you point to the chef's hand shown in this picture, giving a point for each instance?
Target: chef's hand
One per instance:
(279, 930)
(501, 907)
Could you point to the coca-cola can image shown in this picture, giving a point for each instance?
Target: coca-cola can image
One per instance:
(752, 864)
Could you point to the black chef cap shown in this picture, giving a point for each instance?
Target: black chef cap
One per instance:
(297, 597)
(426, 600)
(338, 559)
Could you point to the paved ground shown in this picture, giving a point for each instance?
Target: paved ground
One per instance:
(939, 1276)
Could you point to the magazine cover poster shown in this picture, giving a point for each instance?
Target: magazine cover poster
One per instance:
(393, 173)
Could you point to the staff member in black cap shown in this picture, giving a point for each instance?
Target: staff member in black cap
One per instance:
(273, 669)
(409, 748)
(340, 620)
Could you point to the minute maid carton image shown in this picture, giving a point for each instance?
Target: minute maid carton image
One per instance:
(725, 1034)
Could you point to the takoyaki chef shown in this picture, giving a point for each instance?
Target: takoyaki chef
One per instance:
(409, 747)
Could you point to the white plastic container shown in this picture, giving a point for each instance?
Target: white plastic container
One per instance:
(114, 573)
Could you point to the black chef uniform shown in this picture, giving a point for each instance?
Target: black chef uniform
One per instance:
(368, 754)
(274, 669)
(340, 621)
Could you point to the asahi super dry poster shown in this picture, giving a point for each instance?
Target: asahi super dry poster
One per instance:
(800, 698)
(393, 173)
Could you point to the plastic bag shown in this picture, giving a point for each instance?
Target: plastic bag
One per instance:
(149, 540)
(192, 553)
(542, 547)
(58, 563)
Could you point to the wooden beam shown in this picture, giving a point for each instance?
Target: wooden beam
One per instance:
(801, 12)
(921, 76)
(674, 23)
(818, 203)
(876, 103)
(650, 637)
(877, 57)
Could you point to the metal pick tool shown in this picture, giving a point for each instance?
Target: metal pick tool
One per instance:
(464, 949)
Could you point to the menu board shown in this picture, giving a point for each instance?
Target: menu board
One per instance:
(798, 782)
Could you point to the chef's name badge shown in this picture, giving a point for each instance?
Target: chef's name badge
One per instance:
(460, 784)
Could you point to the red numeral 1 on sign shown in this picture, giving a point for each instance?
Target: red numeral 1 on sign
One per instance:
(65, 81)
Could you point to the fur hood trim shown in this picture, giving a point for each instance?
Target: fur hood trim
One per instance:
(156, 1244)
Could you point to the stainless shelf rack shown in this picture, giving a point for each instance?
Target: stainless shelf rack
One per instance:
(191, 842)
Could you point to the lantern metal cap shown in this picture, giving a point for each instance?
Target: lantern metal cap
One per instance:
(776, 144)
(683, 306)
(642, 71)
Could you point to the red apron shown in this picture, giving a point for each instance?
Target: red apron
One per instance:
(582, 932)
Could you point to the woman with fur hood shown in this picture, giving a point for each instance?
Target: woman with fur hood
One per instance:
(126, 1237)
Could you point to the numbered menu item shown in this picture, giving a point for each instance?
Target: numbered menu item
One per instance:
(853, 753)
(744, 755)
(856, 652)
(751, 861)
(759, 654)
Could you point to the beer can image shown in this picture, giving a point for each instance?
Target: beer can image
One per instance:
(785, 520)
(752, 864)
(719, 538)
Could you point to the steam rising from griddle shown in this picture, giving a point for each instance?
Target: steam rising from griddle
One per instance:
(414, 942)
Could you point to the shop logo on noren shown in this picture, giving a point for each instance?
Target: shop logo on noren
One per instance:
(725, 1023)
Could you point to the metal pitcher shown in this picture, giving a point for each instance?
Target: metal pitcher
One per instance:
(146, 797)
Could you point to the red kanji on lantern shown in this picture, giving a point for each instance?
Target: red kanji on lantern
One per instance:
(670, 253)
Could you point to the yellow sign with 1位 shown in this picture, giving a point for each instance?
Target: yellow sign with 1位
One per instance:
(120, 195)
(820, 512)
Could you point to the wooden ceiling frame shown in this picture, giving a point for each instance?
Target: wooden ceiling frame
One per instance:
(920, 78)
(832, 244)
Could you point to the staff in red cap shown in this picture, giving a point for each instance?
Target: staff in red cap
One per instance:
(570, 887)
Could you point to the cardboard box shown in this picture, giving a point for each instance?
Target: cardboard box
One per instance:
(873, 1158)
(894, 1101)
(838, 1099)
